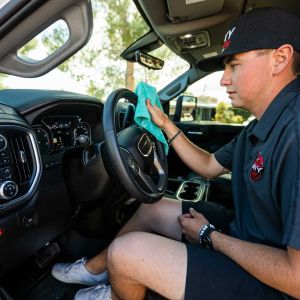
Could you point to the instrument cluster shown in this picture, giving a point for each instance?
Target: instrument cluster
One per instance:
(56, 133)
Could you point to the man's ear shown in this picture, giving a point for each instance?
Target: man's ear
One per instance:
(282, 58)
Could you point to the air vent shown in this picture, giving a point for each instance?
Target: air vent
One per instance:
(20, 166)
(22, 157)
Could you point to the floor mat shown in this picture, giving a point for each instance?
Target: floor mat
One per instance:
(52, 289)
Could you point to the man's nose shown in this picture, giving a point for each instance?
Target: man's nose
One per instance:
(226, 78)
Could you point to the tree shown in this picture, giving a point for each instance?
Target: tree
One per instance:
(123, 25)
(99, 64)
(28, 47)
(228, 114)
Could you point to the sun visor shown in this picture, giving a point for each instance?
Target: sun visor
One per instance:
(185, 10)
(211, 65)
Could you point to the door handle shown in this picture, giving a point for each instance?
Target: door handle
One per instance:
(195, 132)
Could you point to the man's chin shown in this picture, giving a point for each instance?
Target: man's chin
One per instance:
(236, 103)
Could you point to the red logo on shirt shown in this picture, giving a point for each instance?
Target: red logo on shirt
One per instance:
(257, 168)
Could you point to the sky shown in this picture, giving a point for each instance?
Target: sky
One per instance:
(210, 86)
(54, 80)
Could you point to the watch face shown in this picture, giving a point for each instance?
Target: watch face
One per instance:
(206, 242)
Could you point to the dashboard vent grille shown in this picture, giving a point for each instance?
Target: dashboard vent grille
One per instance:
(22, 157)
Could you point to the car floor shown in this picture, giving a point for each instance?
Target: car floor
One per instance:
(50, 289)
(29, 282)
(33, 281)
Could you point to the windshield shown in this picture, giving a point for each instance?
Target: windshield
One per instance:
(98, 69)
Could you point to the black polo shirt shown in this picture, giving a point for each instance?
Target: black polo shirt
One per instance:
(265, 164)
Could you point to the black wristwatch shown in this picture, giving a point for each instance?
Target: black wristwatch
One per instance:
(204, 236)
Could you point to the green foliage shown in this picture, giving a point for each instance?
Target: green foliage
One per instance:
(2, 76)
(124, 25)
(28, 47)
(116, 25)
(54, 40)
(241, 112)
(93, 90)
(228, 114)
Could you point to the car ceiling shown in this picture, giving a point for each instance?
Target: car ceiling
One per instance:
(194, 29)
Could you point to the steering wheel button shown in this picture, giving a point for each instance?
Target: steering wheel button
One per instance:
(4, 161)
(3, 154)
(6, 170)
(3, 142)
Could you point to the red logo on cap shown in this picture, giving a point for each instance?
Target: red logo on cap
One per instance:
(226, 44)
(227, 37)
(257, 168)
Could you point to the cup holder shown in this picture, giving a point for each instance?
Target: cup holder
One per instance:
(191, 190)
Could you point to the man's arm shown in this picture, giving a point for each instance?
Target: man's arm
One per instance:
(277, 268)
(197, 159)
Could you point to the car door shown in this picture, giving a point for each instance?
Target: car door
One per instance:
(209, 121)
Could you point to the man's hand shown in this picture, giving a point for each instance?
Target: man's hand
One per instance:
(191, 224)
(157, 116)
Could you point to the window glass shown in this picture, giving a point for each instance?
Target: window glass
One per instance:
(207, 102)
(173, 67)
(3, 3)
(97, 69)
(45, 43)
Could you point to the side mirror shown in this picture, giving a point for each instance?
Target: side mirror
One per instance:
(148, 60)
(185, 109)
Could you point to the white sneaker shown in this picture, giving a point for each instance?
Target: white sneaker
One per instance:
(77, 273)
(100, 291)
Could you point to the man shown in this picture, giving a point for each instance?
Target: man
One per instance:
(258, 256)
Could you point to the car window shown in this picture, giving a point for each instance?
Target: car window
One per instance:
(206, 102)
(45, 43)
(98, 69)
(173, 67)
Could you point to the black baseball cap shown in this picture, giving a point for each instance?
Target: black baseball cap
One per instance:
(261, 28)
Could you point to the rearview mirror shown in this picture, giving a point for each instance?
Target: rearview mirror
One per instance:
(148, 60)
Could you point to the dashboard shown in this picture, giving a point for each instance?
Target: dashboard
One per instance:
(56, 133)
(51, 162)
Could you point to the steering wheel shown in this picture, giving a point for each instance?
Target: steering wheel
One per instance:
(136, 157)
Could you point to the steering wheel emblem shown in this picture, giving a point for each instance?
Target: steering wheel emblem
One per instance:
(145, 145)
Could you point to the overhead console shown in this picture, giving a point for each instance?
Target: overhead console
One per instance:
(180, 11)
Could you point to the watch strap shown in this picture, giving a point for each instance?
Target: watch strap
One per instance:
(204, 235)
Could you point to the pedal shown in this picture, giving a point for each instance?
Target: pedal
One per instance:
(4, 295)
(47, 254)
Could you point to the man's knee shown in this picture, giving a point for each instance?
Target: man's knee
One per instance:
(121, 252)
(150, 213)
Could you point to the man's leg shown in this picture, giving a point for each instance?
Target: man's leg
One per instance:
(160, 217)
(138, 260)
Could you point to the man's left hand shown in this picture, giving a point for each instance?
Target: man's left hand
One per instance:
(190, 225)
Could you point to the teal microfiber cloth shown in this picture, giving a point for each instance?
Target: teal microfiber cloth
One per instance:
(142, 116)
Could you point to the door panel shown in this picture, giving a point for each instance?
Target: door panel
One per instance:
(209, 137)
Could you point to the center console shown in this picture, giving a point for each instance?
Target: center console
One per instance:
(194, 189)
